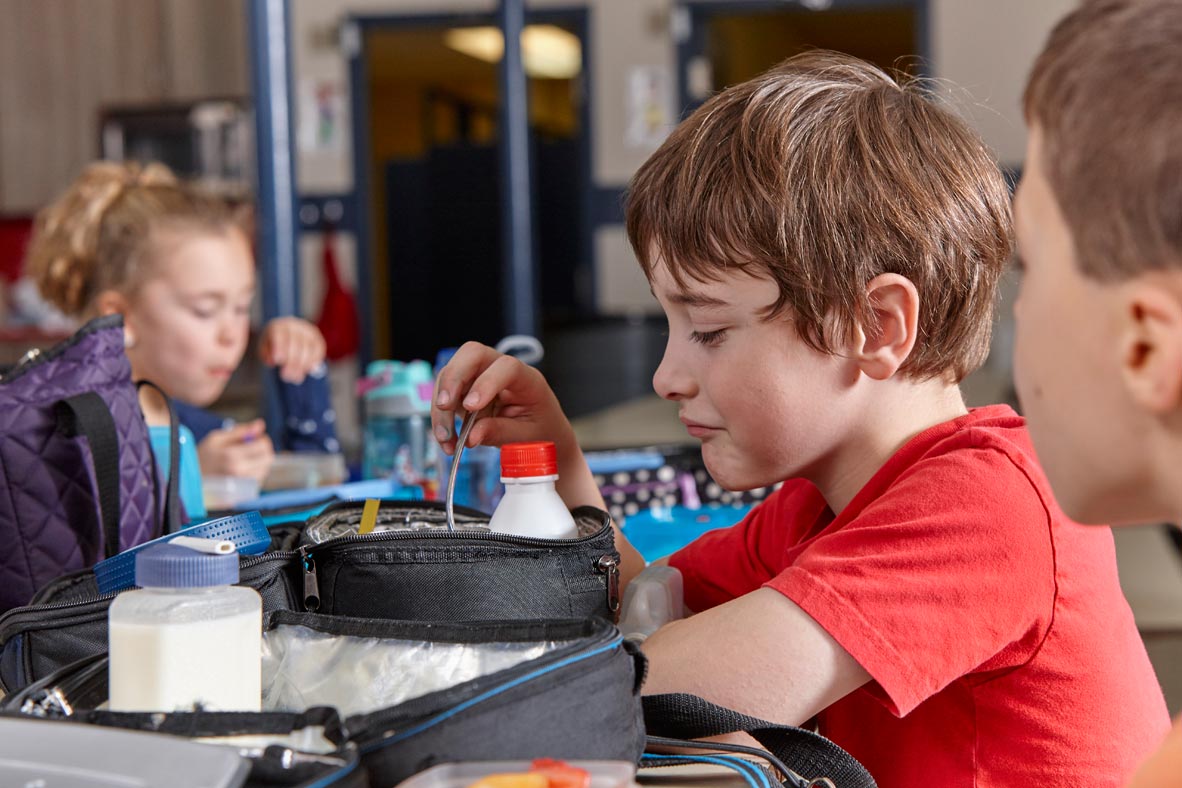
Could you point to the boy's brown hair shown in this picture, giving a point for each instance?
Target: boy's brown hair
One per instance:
(821, 174)
(1106, 93)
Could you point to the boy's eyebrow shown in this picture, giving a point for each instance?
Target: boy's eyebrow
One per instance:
(684, 298)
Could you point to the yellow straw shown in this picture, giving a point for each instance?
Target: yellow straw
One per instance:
(369, 515)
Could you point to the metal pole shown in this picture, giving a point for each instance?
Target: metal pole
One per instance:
(519, 289)
(275, 154)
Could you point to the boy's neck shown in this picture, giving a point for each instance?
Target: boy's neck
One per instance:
(892, 414)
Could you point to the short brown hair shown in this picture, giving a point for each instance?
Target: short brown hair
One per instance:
(97, 234)
(1106, 92)
(821, 174)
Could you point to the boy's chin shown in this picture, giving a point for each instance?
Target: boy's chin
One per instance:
(732, 478)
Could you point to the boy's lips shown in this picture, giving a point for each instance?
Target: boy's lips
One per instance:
(697, 429)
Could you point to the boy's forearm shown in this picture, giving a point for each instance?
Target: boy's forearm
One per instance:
(576, 485)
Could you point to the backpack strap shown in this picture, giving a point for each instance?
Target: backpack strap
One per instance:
(87, 414)
(172, 491)
(806, 754)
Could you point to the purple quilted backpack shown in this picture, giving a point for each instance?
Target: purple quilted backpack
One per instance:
(78, 482)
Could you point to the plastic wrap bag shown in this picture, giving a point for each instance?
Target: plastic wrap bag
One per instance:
(303, 667)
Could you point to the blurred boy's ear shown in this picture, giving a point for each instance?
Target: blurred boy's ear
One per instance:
(1151, 346)
(880, 348)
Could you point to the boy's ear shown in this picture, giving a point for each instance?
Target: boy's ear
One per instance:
(1151, 347)
(882, 347)
(112, 302)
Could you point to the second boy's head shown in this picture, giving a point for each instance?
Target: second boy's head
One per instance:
(1098, 358)
(816, 235)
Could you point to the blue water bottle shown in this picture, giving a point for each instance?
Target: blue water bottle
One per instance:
(398, 442)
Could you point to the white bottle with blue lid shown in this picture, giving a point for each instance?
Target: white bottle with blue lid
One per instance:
(188, 637)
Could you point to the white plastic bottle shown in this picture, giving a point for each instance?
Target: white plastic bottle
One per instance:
(188, 637)
(531, 506)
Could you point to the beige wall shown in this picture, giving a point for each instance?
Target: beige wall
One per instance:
(984, 47)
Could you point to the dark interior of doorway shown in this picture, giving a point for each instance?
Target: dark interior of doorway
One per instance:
(436, 188)
(734, 41)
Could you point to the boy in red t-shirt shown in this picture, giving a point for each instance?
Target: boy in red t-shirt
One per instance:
(826, 245)
(1098, 360)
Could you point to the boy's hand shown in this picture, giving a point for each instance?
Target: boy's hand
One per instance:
(293, 345)
(523, 408)
(242, 450)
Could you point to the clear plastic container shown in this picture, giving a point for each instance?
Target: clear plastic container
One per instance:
(188, 638)
(531, 506)
(655, 597)
(604, 774)
(226, 492)
(297, 470)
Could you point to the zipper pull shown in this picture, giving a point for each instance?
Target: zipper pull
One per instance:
(610, 566)
(311, 585)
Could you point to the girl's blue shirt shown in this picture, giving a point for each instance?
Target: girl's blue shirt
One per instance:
(192, 497)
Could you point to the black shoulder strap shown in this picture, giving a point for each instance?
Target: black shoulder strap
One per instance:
(172, 493)
(87, 414)
(808, 754)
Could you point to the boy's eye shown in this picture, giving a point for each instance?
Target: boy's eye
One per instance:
(708, 338)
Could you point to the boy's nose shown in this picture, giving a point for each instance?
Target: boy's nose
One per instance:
(670, 381)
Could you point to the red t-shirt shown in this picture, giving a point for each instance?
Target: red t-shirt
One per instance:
(1001, 649)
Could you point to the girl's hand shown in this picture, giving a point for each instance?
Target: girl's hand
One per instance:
(293, 345)
(241, 450)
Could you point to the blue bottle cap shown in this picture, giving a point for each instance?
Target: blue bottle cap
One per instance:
(173, 566)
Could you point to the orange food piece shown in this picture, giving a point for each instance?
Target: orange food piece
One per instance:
(561, 774)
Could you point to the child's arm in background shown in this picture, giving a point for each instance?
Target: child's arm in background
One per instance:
(293, 345)
(524, 409)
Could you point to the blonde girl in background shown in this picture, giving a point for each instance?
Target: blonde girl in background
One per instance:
(177, 264)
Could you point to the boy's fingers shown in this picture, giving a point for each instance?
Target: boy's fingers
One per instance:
(500, 375)
(452, 385)
(464, 367)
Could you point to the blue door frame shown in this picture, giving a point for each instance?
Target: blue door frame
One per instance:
(269, 36)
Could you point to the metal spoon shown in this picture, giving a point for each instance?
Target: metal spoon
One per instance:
(469, 420)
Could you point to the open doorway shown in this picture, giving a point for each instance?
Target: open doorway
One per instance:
(428, 136)
(730, 42)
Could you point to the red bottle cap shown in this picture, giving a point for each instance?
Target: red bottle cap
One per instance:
(535, 458)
